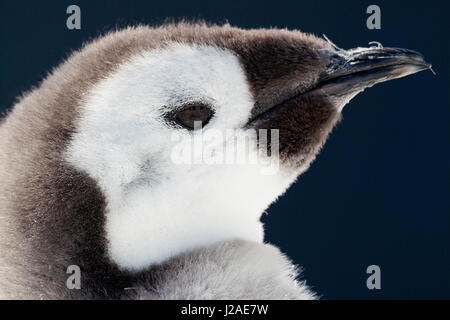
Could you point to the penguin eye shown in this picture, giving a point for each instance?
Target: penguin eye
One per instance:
(188, 114)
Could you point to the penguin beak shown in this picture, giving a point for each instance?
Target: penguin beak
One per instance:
(305, 120)
(354, 70)
(348, 73)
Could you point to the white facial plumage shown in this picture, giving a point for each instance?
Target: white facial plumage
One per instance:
(156, 208)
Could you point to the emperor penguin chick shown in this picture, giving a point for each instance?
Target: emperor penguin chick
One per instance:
(88, 175)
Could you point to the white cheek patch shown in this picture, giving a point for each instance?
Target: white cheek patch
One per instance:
(155, 208)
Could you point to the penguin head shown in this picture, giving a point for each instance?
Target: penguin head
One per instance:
(193, 131)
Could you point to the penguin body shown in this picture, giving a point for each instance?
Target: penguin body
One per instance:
(87, 177)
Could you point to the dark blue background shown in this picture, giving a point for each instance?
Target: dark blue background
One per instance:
(379, 191)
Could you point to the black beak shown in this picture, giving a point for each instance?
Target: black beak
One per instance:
(348, 73)
(351, 71)
(305, 119)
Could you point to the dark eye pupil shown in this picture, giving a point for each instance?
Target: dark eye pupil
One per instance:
(192, 113)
